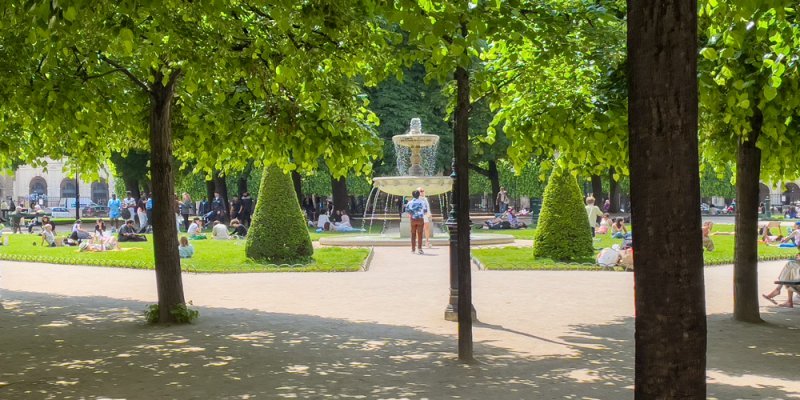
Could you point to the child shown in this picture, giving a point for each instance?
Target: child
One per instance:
(185, 250)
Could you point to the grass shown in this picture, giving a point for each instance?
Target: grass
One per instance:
(521, 258)
(210, 256)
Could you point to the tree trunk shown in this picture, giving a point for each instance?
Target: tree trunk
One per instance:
(597, 190)
(494, 178)
(665, 192)
(221, 187)
(210, 188)
(165, 239)
(745, 268)
(297, 181)
(613, 191)
(132, 185)
(461, 153)
(339, 190)
(241, 181)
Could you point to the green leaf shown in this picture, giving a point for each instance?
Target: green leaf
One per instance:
(770, 93)
(70, 14)
(709, 53)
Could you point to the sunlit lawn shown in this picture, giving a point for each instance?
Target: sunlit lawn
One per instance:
(210, 256)
(513, 258)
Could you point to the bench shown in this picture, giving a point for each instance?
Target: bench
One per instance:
(794, 285)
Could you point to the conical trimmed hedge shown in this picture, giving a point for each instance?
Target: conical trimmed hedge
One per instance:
(278, 232)
(563, 232)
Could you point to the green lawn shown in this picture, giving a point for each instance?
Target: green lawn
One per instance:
(210, 256)
(516, 258)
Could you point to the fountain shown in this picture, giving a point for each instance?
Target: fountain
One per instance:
(416, 143)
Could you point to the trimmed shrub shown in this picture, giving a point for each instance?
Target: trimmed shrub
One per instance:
(563, 232)
(278, 232)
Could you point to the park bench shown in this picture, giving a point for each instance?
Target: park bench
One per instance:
(793, 284)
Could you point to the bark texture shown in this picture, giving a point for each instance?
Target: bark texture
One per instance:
(221, 187)
(597, 190)
(745, 269)
(613, 191)
(461, 152)
(297, 182)
(165, 239)
(132, 185)
(665, 195)
(341, 201)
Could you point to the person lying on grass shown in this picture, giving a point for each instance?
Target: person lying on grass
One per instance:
(790, 272)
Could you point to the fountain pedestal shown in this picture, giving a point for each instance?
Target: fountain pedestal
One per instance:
(405, 226)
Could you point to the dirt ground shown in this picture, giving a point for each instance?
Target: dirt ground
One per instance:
(69, 332)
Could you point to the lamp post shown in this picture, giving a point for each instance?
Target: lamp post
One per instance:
(451, 311)
(77, 198)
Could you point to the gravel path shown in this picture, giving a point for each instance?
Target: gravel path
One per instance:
(77, 332)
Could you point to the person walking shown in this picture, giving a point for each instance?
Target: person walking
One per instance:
(416, 209)
(187, 209)
(593, 213)
(502, 199)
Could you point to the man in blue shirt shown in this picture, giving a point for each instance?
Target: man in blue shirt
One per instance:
(114, 211)
(416, 209)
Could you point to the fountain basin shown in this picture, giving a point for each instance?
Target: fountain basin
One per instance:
(404, 185)
(416, 140)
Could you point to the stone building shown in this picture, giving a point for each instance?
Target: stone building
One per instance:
(52, 187)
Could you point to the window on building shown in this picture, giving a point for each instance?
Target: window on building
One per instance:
(100, 192)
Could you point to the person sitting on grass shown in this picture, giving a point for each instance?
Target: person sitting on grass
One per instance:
(793, 238)
(605, 224)
(609, 257)
(185, 250)
(99, 228)
(48, 236)
(768, 238)
(790, 272)
(195, 229)
(79, 234)
(47, 221)
(128, 233)
(239, 231)
(708, 244)
(618, 229)
(219, 231)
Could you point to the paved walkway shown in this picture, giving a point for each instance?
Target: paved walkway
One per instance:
(77, 331)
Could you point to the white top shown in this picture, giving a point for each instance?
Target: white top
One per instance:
(322, 220)
(345, 221)
(608, 257)
(220, 232)
(593, 212)
(194, 229)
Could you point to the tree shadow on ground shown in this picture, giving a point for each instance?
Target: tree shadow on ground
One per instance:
(93, 347)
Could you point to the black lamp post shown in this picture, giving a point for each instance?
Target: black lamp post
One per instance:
(451, 311)
(77, 198)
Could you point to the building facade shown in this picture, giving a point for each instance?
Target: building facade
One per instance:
(51, 187)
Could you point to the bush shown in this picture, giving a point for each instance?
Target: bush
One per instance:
(278, 232)
(563, 232)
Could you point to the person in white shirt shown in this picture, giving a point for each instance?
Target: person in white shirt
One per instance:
(195, 230)
(593, 212)
(609, 257)
(220, 231)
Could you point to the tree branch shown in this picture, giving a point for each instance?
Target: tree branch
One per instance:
(480, 170)
(125, 71)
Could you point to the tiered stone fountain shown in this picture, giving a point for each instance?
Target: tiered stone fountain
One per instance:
(416, 141)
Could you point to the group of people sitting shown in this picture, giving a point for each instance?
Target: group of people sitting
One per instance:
(616, 226)
(337, 221)
(218, 230)
(508, 220)
(792, 239)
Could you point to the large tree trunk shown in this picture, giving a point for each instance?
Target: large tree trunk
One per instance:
(340, 197)
(132, 185)
(669, 288)
(461, 154)
(165, 238)
(745, 269)
(221, 187)
(597, 190)
(297, 182)
(210, 188)
(241, 181)
(613, 191)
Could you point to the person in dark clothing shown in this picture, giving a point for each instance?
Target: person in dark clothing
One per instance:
(128, 233)
(239, 230)
(247, 209)
(236, 208)
(218, 207)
